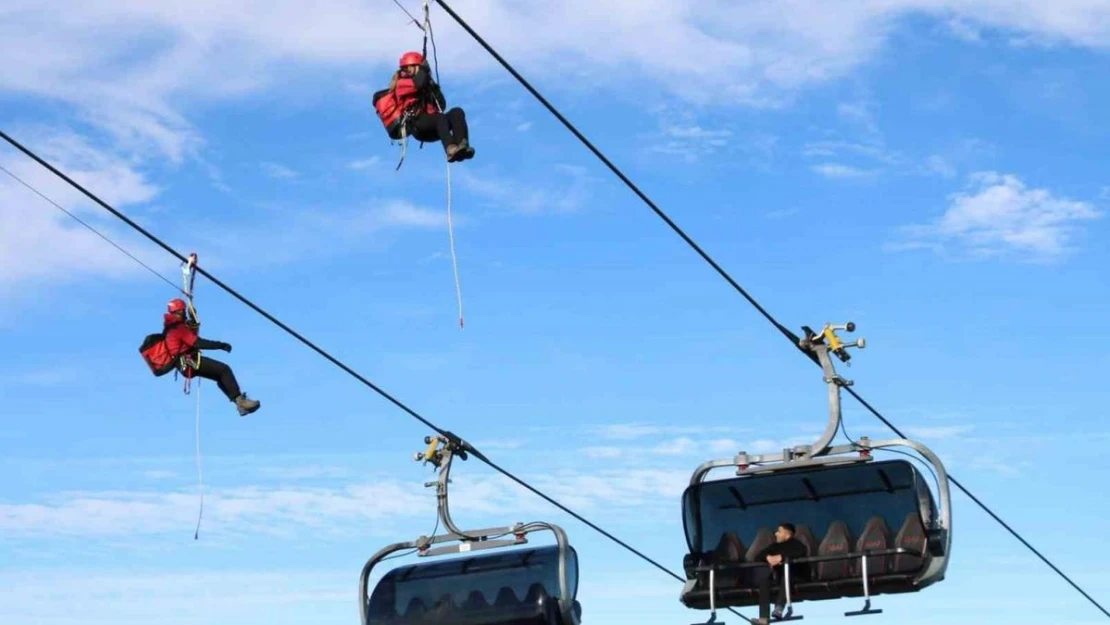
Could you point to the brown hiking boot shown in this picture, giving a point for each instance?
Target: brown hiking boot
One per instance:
(246, 406)
(452, 153)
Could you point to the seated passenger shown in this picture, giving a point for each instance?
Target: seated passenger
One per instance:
(784, 547)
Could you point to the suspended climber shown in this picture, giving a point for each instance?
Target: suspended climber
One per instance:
(178, 347)
(414, 105)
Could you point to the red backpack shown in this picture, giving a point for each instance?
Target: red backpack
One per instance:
(156, 354)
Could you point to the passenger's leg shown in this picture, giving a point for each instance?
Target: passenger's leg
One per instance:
(763, 581)
(213, 369)
(432, 126)
(461, 131)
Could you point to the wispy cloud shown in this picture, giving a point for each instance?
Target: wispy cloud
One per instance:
(294, 234)
(47, 376)
(339, 506)
(566, 192)
(101, 62)
(782, 213)
(999, 215)
(633, 431)
(365, 163)
(603, 452)
(41, 244)
(840, 170)
(680, 134)
(143, 596)
(940, 166)
(939, 432)
(860, 113)
(277, 170)
(963, 30)
(256, 509)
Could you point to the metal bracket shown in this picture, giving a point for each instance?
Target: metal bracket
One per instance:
(441, 452)
(821, 344)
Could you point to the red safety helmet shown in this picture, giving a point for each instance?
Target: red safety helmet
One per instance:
(176, 306)
(411, 58)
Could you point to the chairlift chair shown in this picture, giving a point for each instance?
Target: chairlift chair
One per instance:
(870, 527)
(494, 581)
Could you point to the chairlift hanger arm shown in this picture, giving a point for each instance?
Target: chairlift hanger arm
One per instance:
(820, 345)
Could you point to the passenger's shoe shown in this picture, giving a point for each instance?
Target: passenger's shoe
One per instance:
(465, 151)
(246, 406)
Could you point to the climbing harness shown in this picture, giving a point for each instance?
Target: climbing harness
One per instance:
(427, 29)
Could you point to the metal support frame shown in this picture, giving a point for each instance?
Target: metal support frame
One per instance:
(788, 606)
(822, 454)
(867, 609)
(468, 541)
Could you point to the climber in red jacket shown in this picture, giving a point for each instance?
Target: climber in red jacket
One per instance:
(415, 104)
(178, 347)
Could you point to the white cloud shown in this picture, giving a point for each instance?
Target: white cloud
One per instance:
(871, 149)
(960, 29)
(40, 243)
(405, 214)
(939, 432)
(681, 134)
(136, 68)
(344, 507)
(676, 447)
(939, 165)
(365, 163)
(633, 431)
(724, 446)
(291, 235)
(859, 113)
(782, 213)
(138, 597)
(603, 452)
(48, 376)
(999, 214)
(554, 195)
(277, 170)
(840, 170)
(261, 510)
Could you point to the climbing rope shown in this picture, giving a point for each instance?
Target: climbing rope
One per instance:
(200, 471)
(451, 236)
(429, 35)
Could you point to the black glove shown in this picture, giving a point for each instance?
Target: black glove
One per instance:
(225, 347)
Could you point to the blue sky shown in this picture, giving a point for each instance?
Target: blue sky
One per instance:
(932, 170)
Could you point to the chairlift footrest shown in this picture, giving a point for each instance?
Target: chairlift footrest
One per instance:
(864, 611)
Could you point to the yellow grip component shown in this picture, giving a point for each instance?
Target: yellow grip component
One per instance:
(431, 449)
(832, 339)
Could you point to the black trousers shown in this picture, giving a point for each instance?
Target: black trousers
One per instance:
(221, 373)
(448, 128)
(764, 577)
